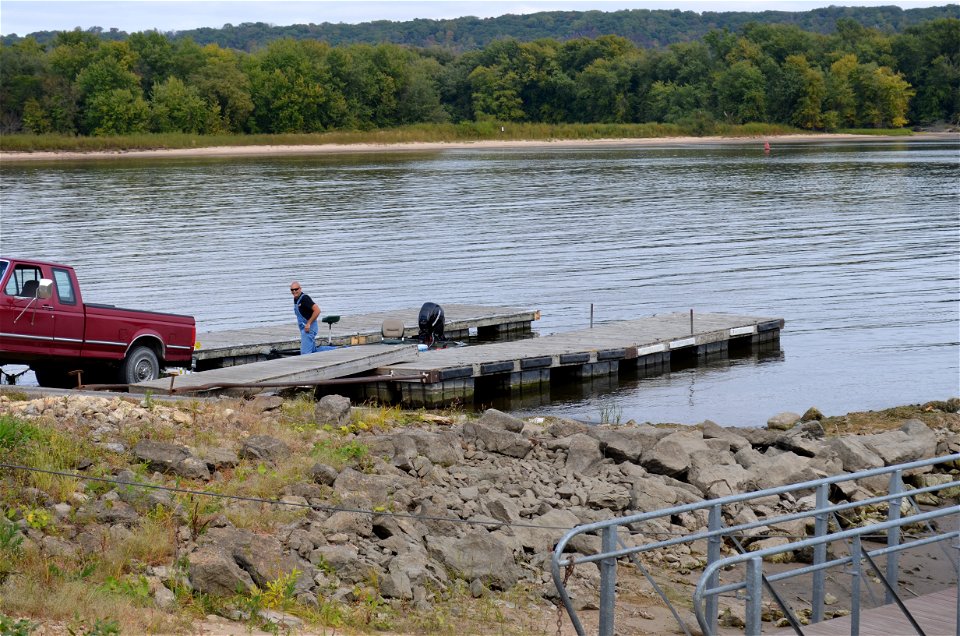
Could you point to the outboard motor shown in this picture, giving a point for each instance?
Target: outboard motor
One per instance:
(431, 323)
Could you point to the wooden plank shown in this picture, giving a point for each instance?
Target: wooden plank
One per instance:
(356, 329)
(323, 365)
(936, 614)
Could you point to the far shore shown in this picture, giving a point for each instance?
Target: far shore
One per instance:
(288, 150)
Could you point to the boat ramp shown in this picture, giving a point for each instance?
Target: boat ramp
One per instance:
(402, 374)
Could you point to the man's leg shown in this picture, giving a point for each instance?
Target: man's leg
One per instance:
(308, 342)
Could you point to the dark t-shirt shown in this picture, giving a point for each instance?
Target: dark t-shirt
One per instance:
(305, 305)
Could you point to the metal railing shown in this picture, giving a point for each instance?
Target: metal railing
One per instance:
(754, 579)
(613, 547)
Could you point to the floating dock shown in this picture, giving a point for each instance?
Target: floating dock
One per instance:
(644, 345)
(243, 346)
(400, 374)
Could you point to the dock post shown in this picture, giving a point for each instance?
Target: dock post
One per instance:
(591, 315)
(691, 322)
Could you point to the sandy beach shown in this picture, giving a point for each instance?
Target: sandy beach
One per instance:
(289, 150)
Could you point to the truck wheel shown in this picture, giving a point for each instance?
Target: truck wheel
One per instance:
(54, 378)
(140, 365)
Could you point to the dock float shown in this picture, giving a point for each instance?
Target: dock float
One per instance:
(323, 365)
(241, 346)
(644, 345)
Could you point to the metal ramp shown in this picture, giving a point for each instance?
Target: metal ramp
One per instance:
(323, 365)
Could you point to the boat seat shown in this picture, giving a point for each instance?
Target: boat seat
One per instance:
(392, 328)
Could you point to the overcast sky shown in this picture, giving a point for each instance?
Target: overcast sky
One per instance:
(27, 16)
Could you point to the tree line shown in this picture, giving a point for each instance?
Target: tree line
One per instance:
(648, 28)
(854, 77)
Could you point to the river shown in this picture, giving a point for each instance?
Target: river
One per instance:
(854, 244)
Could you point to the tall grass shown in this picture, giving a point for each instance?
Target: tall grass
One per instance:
(417, 133)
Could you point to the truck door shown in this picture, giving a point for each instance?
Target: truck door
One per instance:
(25, 326)
(68, 314)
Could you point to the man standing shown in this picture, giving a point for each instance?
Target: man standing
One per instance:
(307, 313)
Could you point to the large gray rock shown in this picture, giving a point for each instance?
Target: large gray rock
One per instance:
(671, 455)
(442, 448)
(627, 443)
(562, 427)
(583, 455)
(261, 556)
(478, 555)
(854, 454)
(496, 440)
(377, 490)
(492, 418)
(549, 528)
(783, 421)
(332, 410)
(718, 475)
(712, 430)
(911, 442)
(803, 439)
(171, 458)
(264, 448)
(213, 571)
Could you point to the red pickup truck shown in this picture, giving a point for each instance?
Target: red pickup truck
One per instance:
(45, 324)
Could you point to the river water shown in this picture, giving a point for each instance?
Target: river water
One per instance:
(854, 244)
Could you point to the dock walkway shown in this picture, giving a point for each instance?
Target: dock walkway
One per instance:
(242, 346)
(453, 375)
(936, 614)
(323, 365)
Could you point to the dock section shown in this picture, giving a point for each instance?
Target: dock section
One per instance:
(241, 346)
(644, 345)
(323, 365)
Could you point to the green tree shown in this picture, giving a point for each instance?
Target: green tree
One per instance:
(117, 111)
(176, 107)
(884, 97)
(840, 107)
(928, 56)
(293, 89)
(154, 58)
(741, 93)
(419, 97)
(495, 95)
(220, 81)
(802, 92)
(22, 69)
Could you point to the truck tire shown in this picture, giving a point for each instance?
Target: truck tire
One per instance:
(140, 365)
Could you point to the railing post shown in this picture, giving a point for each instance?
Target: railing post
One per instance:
(714, 543)
(821, 524)
(856, 556)
(754, 596)
(608, 580)
(893, 534)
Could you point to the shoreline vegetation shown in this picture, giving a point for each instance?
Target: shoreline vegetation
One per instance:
(421, 138)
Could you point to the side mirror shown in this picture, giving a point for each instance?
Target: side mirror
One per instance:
(45, 289)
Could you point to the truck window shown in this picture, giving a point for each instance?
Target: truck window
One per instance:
(18, 280)
(3, 268)
(64, 286)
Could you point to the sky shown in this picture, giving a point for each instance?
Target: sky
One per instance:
(27, 16)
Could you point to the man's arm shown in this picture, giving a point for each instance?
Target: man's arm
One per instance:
(313, 315)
